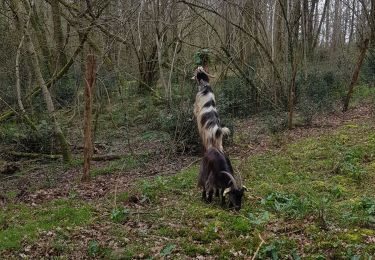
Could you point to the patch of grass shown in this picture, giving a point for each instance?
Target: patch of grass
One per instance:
(301, 191)
(362, 92)
(300, 185)
(179, 184)
(120, 214)
(25, 222)
(124, 164)
(192, 249)
(154, 135)
(166, 231)
(311, 198)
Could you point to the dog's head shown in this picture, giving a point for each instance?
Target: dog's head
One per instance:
(201, 76)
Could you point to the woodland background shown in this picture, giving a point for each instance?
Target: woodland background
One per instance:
(284, 71)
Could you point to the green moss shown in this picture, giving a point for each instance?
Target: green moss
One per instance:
(24, 222)
(352, 238)
(240, 226)
(192, 249)
(166, 231)
(298, 202)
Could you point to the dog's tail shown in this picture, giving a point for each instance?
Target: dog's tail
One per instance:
(217, 134)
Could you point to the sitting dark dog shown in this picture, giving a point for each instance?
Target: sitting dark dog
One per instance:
(216, 174)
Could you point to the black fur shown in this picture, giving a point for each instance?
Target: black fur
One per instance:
(212, 123)
(210, 103)
(202, 76)
(212, 116)
(211, 177)
(218, 133)
(206, 89)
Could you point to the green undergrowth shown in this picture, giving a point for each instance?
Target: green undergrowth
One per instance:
(23, 223)
(126, 163)
(311, 199)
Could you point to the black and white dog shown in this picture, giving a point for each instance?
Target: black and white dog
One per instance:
(208, 121)
(216, 174)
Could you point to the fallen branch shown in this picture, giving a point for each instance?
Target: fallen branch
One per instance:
(34, 155)
(6, 115)
(105, 157)
(190, 164)
(260, 245)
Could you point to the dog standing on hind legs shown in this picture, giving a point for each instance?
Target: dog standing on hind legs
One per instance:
(209, 126)
(216, 172)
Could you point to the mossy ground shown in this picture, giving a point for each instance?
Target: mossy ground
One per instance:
(313, 198)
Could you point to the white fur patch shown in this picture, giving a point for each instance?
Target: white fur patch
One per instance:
(208, 136)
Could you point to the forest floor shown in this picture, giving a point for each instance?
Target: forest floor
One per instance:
(311, 195)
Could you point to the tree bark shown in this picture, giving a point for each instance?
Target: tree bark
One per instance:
(292, 94)
(351, 33)
(327, 26)
(336, 33)
(41, 36)
(18, 80)
(60, 57)
(64, 145)
(372, 24)
(87, 147)
(357, 69)
(325, 10)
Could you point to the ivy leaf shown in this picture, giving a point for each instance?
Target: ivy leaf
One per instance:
(197, 58)
(167, 250)
(93, 248)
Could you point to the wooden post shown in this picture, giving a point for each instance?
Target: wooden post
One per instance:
(89, 85)
(361, 57)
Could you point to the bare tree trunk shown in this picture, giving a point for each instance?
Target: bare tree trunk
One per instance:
(372, 24)
(148, 70)
(159, 41)
(18, 54)
(310, 25)
(41, 36)
(18, 80)
(292, 95)
(87, 146)
(273, 30)
(60, 57)
(65, 149)
(336, 33)
(325, 10)
(305, 13)
(293, 30)
(159, 44)
(357, 69)
(327, 26)
(352, 23)
(345, 26)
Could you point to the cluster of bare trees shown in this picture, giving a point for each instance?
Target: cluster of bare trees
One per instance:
(266, 43)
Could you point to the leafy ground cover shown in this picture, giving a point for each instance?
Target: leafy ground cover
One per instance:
(312, 198)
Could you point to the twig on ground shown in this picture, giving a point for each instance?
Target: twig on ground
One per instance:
(260, 245)
(190, 164)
